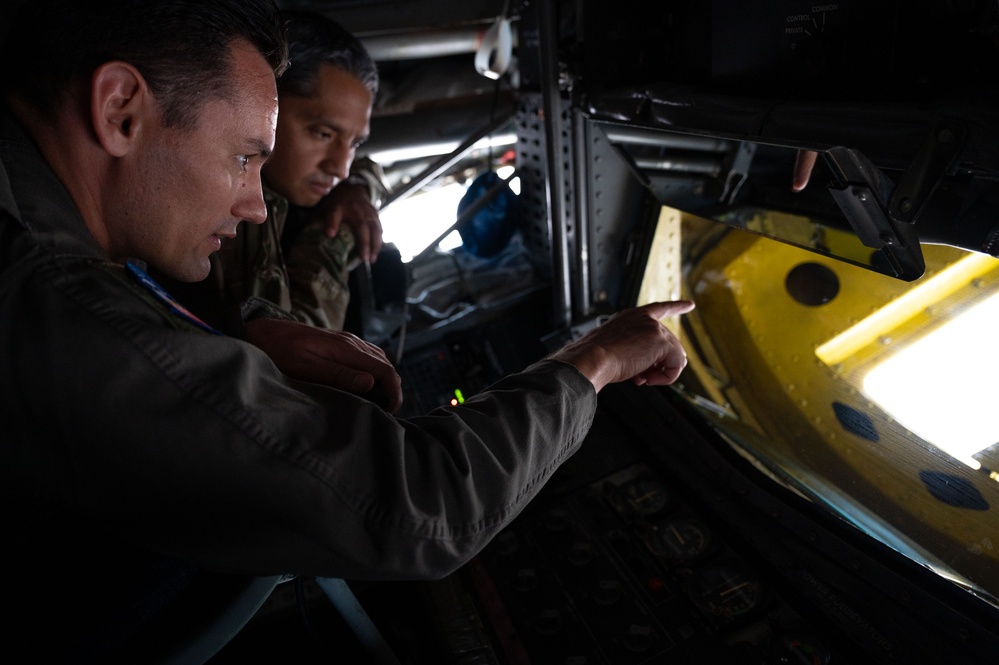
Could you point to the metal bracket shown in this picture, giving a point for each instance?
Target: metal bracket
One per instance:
(927, 169)
(862, 192)
(738, 170)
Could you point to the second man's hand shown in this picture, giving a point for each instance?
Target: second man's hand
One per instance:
(349, 204)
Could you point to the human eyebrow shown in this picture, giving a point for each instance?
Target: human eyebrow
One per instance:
(327, 125)
(327, 122)
(338, 127)
(260, 148)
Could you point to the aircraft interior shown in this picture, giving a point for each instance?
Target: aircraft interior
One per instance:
(822, 179)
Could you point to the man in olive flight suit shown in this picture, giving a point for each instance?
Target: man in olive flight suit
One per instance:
(141, 453)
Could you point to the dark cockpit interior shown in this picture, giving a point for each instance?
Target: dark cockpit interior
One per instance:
(822, 179)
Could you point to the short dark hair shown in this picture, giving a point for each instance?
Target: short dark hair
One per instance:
(181, 47)
(315, 40)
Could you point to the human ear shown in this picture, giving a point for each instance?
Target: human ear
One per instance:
(119, 99)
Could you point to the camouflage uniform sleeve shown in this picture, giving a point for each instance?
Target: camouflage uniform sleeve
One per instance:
(367, 172)
(318, 272)
(251, 265)
(318, 267)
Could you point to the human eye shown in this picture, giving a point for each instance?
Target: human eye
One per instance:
(244, 161)
(322, 133)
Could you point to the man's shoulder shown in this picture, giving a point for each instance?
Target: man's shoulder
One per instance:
(33, 198)
(11, 135)
(81, 293)
(8, 206)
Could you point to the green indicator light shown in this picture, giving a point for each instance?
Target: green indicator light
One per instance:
(459, 396)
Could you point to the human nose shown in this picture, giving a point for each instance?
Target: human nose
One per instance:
(250, 204)
(337, 159)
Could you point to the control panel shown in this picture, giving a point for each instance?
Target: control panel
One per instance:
(624, 571)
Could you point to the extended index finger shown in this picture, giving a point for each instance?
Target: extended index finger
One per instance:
(661, 310)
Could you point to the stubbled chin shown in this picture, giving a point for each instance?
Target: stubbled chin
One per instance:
(306, 199)
(195, 271)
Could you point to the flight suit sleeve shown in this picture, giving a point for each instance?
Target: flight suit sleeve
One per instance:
(195, 446)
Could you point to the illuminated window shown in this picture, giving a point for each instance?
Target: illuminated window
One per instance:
(942, 387)
(412, 224)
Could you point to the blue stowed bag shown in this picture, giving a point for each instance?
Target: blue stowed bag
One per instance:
(489, 230)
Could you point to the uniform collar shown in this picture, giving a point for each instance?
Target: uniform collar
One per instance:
(33, 195)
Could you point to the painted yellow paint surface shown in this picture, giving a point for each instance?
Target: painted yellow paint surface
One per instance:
(778, 366)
